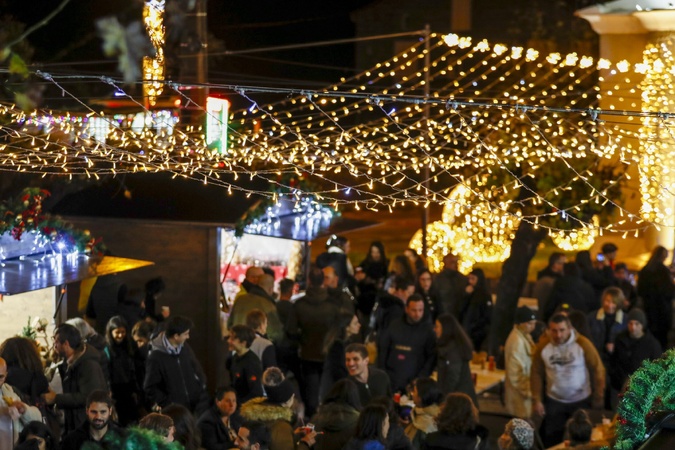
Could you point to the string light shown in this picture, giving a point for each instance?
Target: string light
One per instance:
(492, 109)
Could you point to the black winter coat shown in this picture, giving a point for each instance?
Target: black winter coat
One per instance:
(311, 318)
(406, 351)
(629, 354)
(79, 379)
(574, 291)
(174, 378)
(655, 286)
(215, 435)
(476, 315)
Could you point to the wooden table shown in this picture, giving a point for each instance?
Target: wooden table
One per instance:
(487, 379)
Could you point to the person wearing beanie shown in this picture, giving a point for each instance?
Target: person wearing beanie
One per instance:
(518, 362)
(518, 435)
(276, 411)
(632, 347)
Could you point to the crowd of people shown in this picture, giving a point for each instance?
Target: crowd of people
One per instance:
(370, 357)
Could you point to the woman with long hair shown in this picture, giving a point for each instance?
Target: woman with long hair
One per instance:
(337, 416)
(344, 332)
(399, 267)
(655, 286)
(476, 311)
(25, 371)
(40, 434)
(372, 429)
(376, 264)
(186, 431)
(458, 427)
(455, 350)
(432, 305)
(121, 370)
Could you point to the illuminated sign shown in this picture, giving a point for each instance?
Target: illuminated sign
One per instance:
(217, 112)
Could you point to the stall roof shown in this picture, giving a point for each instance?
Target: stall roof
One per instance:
(38, 272)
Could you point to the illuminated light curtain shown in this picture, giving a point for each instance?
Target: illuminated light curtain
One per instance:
(577, 239)
(439, 242)
(153, 68)
(657, 179)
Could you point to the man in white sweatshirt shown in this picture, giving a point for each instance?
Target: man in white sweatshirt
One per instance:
(567, 374)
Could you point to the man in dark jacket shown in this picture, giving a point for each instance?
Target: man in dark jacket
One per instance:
(311, 318)
(97, 425)
(631, 348)
(370, 382)
(172, 372)
(406, 349)
(81, 374)
(572, 290)
(258, 297)
(448, 286)
(219, 424)
(390, 306)
(244, 365)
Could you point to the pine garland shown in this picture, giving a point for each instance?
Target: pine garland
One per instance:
(24, 214)
(649, 392)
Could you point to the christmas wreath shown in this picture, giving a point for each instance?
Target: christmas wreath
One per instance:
(650, 392)
(24, 214)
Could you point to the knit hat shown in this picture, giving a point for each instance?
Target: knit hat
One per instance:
(524, 314)
(521, 432)
(281, 393)
(637, 314)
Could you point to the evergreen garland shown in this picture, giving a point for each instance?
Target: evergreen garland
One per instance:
(649, 392)
(25, 214)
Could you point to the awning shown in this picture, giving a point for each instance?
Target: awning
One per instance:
(31, 273)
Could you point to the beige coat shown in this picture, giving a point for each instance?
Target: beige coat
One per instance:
(31, 414)
(518, 361)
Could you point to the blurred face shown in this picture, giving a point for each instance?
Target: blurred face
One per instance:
(140, 341)
(98, 415)
(228, 404)
(385, 427)
(635, 329)
(438, 329)
(528, 327)
(473, 279)
(263, 327)
(621, 274)
(119, 334)
(330, 279)
(169, 437)
(375, 254)
(356, 364)
(235, 344)
(42, 445)
(354, 326)
(559, 332)
(410, 255)
(347, 247)
(58, 346)
(558, 266)
(425, 281)
(415, 311)
(450, 262)
(180, 339)
(608, 304)
(403, 294)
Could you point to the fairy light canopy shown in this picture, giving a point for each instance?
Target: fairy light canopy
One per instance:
(506, 113)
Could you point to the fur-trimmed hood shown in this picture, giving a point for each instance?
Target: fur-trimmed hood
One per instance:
(260, 409)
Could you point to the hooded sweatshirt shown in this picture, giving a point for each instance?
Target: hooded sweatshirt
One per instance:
(570, 372)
